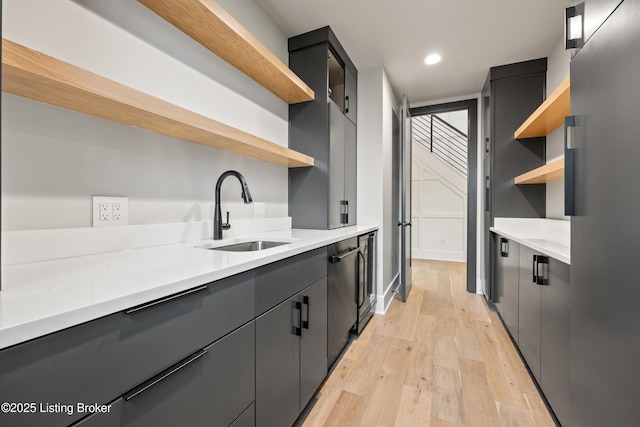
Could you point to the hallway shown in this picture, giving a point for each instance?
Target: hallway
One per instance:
(441, 359)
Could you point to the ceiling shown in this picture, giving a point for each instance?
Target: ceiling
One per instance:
(471, 36)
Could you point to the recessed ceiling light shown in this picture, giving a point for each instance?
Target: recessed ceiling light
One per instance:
(434, 58)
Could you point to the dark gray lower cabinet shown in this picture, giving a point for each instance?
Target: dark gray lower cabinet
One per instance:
(105, 358)
(210, 388)
(529, 312)
(506, 283)
(291, 355)
(544, 326)
(554, 340)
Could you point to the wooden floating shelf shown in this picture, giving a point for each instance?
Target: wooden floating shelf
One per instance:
(553, 171)
(211, 26)
(34, 75)
(549, 115)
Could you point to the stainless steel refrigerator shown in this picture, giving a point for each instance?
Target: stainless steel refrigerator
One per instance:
(603, 195)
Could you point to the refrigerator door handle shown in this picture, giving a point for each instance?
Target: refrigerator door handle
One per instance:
(569, 169)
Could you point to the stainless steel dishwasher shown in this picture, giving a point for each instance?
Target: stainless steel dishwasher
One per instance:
(342, 308)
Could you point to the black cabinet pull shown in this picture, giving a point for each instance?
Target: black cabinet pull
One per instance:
(569, 169)
(346, 104)
(534, 268)
(305, 323)
(337, 258)
(487, 195)
(297, 330)
(166, 299)
(504, 247)
(164, 374)
(541, 279)
(344, 211)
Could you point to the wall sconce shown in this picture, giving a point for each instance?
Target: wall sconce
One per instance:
(574, 26)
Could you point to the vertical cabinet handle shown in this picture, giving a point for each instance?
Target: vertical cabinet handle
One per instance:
(569, 169)
(487, 198)
(542, 279)
(534, 268)
(346, 104)
(504, 247)
(344, 211)
(305, 323)
(297, 330)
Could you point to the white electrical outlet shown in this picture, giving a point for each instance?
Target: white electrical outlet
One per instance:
(259, 209)
(110, 211)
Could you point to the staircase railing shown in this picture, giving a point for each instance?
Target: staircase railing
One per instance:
(442, 139)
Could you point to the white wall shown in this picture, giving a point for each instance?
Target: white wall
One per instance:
(54, 160)
(557, 70)
(376, 104)
(439, 208)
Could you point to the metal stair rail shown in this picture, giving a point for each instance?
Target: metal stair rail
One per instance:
(442, 139)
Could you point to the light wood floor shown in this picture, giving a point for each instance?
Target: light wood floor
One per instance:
(440, 359)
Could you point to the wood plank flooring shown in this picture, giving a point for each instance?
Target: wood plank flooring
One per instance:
(440, 359)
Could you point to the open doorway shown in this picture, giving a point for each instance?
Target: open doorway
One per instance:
(444, 184)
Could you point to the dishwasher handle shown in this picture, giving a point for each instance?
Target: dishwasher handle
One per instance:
(333, 259)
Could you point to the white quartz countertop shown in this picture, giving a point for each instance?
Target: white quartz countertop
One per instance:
(44, 297)
(547, 236)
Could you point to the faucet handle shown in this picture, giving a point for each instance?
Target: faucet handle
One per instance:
(226, 225)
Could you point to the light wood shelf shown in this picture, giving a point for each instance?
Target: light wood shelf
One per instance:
(211, 26)
(34, 75)
(549, 115)
(553, 171)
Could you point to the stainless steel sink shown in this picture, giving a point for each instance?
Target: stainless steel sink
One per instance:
(256, 245)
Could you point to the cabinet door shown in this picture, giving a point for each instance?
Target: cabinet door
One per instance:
(513, 99)
(497, 291)
(350, 175)
(554, 344)
(509, 257)
(313, 343)
(351, 95)
(529, 312)
(336, 166)
(278, 365)
(212, 387)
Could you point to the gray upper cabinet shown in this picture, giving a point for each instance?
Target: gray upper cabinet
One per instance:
(324, 196)
(511, 93)
(351, 95)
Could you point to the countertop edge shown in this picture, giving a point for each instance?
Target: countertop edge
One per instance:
(19, 332)
(532, 243)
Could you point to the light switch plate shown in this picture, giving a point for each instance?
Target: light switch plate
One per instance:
(109, 211)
